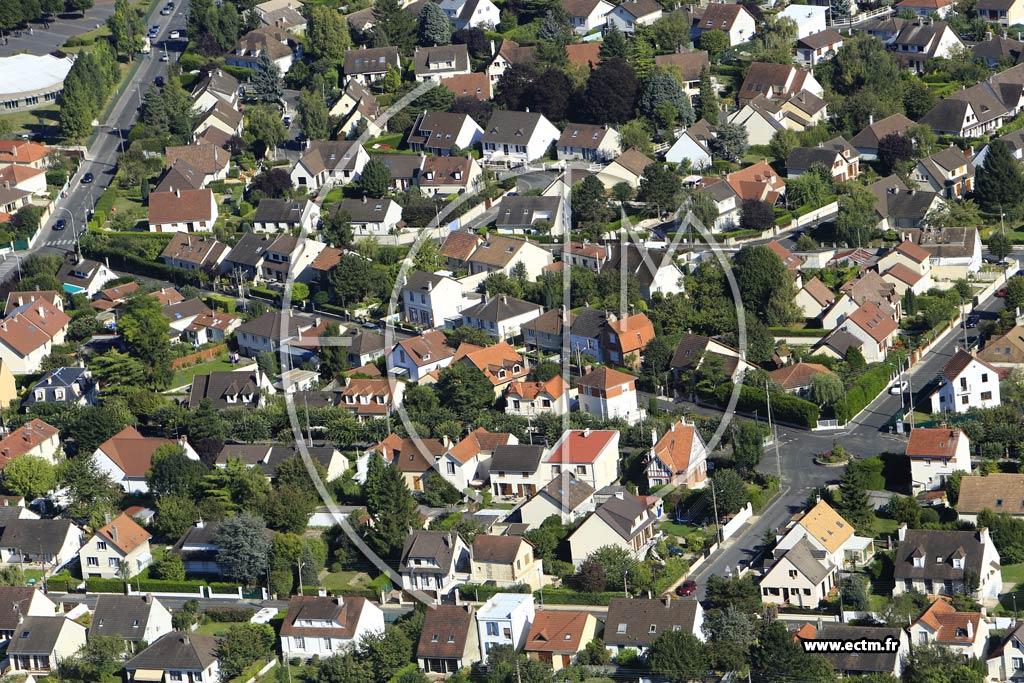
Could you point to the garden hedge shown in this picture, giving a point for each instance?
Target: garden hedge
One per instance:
(785, 408)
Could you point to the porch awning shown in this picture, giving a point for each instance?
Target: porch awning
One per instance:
(154, 675)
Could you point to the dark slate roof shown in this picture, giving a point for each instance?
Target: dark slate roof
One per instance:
(14, 600)
(217, 386)
(445, 632)
(621, 513)
(36, 535)
(502, 307)
(588, 322)
(860, 662)
(365, 210)
(36, 635)
(280, 211)
(629, 620)
(511, 127)
(177, 650)
(438, 546)
(61, 378)
(124, 616)
(568, 491)
(520, 210)
(250, 249)
(458, 55)
(938, 544)
(518, 458)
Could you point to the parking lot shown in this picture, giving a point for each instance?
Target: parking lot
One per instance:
(43, 41)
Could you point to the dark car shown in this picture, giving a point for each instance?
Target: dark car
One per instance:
(60, 224)
(159, 80)
(688, 587)
(1001, 293)
(973, 319)
(87, 178)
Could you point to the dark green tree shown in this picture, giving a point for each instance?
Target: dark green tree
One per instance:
(747, 444)
(765, 285)
(678, 655)
(730, 143)
(708, 105)
(266, 81)
(466, 389)
(854, 504)
(375, 178)
(174, 472)
(145, 330)
(730, 491)
(392, 509)
(663, 88)
(313, 115)
(999, 182)
(243, 548)
(434, 26)
(611, 92)
(327, 37)
(393, 26)
(660, 188)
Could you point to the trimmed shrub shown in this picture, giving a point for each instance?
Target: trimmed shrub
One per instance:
(785, 408)
(233, 614)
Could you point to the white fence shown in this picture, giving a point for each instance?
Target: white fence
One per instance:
(734, 525)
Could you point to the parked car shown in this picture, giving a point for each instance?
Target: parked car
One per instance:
(973, 319)
(87, 178)
(1001, 293)
(166, 11)
(688, 587)
(159, 80)
(899, 387)
(175, 35)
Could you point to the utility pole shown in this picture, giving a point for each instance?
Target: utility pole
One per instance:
(299, 565)
(775, 436)
(625, 586)
(714, 503)
(963, 324)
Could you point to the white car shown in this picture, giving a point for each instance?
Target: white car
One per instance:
(175, 35)
(898, 387)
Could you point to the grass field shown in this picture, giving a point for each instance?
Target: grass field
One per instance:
(185, 375)
(1013, 573)
(340, 581)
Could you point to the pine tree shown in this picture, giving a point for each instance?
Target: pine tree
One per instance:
(999, 182)
(614, 45)
(640, 55)
(375, 178)
(313, 115)
(394, 514)
(854, 503)
(266, 81)
(663, 87)
(393, 26)
(707, 104)
(434, 27)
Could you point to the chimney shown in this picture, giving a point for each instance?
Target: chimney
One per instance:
(654, 436)
(177, 193)
(147, 598)
(184, 639)
(42, 312)
(620, 495)
(970, 629)
(340, 600)
(871, 119)
(113, 533)
(983, 536)
(364, 199)
(586, 432)
(668, 602)
(902, 532)
(493, 52)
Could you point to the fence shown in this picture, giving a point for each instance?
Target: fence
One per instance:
(737, 522)
(198, 356)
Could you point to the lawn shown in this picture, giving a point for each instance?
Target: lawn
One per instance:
(1013, 573)
(884, 525)
(185, 375)
(41, 121)
(694, 536)
(340, 581)
(214, 628)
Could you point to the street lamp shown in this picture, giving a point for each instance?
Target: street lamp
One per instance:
(72, 217)
(300, 565)
(17, 259)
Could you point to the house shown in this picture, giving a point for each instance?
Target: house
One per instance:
(623, 340)
(282, 14)
(1006, 658)
(693, 146)
(875, 329)
(520, 215)
(135, 619)
(655, 269)
(416, 357)
(339, 161)
(965, 633)
(925, 8)
(935, 454)
(544, 333)
(505, 561)
(796, 379)
(321, 626)
(19, 602)
(74, 386)
(678, 458)
(688, 66)
(592, 455)
(357, 109)
(194, 252)
(434, 561)
(735, 20)
(586, 255)
(442, 61)
(370, 217)
(449, 175)
(775, 81)
(230, 389)
(888, 660)
(369, 399)
(809, 19)
(180, 315)
(635, 623)
(866, 141)
(953, 253)
(814, 298)
(586, 15)
(371, 64)
(198, 548)
(968, 113)
(12, 199)
(245, 260)
(79, 275)
(630, 14)
(215, 85)
(404, 168)
(693, 350)
(505, 619)
(801, 576)
(437, 133)
(471, 13)
(515, 471)
(414, 458)
(557, 637)
(815, 48)
(475, 85)
(24, 179)
(937, 562)
(448, 640)
(464, 464)
(24, 343)
(40, 643)
(758, 182)
(127, 456)
(869, 287)
(254, 46)
(267, 457)
(500, 253)
(209, 161)
(627, 168)
(35, 438)
(998, 492)
(565, 496)
(1006, 350)
(623, 521)
(280, 215)
(52, 542)
(176, 656)
(509, 53)
(587, 141)
(762, 118)
(501, 316)
(827, 532)
(288, 258)
(513, 138)
(18, 299)
(211, 326)
(182, 211)
(119, 549)
(429, 299)
(607, 393)
(1002, 12)
(500, 363)
(924, 39)
(897, 207)
(726, 201)
(966, 382)
(528, 399)
(222, 121)
(837, 155)
(23, 153)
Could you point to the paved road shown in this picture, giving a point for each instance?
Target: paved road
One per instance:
(101, 158)
(868, 435)
(45, 40)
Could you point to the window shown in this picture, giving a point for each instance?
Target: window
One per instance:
(300, 643)
(101, 545)
(986, 396)
(175, 675)
(112, 562)
(1018, 663)
(792, 573)
(581, 469)
(135, 623)
(507, 632)
(492, 628)
(93, 561)
(964, 399)
(621, 629)
(328, 645)
(653, 628)
(984, 377)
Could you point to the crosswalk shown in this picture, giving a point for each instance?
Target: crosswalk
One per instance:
(59, 243)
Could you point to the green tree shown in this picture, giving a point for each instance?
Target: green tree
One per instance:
(174, 515)
(242, 645)
(145, 331)
(730, 143)
(385, 651)
(782, 143)
(434, 26)
(375, 178)
(776, 650)
(327, 37)
(288, 508)
(662, 87)
(811, 189)
(126, 28)
(854, 504)
(174, 472)
(617, 563)
(393, 26)
(243, 549)
(894, 150)
(91, 492)
(857, 217)
(708, 105)
(747, 444)
(765, 285)
(391, 507)
(854, 593)
(999, 245)
(933, 662)
(100, 658)
(715, 42)
(730, 634)
(266, 81)
(678, 655)
(29, 476)
(589, 204)
(660, 188)
(826, 389)
(170, 567)
(778, 35)
(739, 593)
(264, 126)
(615, 45)
(635, 134)
(313, 115)
(467, 390)
(611, 92)
(999, 182)
(730, 491)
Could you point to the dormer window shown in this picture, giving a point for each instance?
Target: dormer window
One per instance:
(938, 560)
(919, 562)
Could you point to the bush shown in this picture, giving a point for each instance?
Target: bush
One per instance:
(785, 408)
(56, 177)
(930, 516)
(870, 384)
(225, 614)
(567, 596)
(158, 586)
(104, 586)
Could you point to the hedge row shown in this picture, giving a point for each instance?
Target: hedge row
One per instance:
(869, 385)
(785, 408)
(104, 586)
(567, 596)
(229, 614)
(139, 266)
(482, 593)
(796, 332)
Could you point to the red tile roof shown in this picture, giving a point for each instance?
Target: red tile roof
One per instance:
(579, 446)
(797, 375)
(131, 452)
(605, 378)
(870, 318)
(557, 631)
(913, 251)
(25, 438)
(124, 533)
(477, 442)
(675, 446)
(933, 443)
(634, 332)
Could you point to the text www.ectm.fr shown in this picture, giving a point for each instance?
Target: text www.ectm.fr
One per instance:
(890, 644)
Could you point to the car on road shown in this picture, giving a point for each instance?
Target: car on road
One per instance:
(159, 80)
(898, 387)
(164, 58)
(688, 587)
(973, 319)
(87, 178)
(166, 11)
(60, 224)
(1001, 293)
(175, 35)
(370, 326)
(287, 120)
